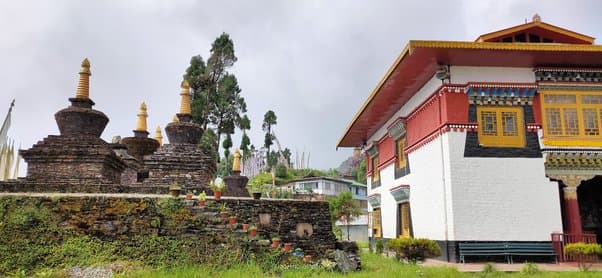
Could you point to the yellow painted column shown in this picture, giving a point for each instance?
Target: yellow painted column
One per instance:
(142, 115)
(236, 163)
(83, 85)
(159, 136)
(185, 101)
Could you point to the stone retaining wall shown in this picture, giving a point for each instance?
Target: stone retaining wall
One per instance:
(305, 224)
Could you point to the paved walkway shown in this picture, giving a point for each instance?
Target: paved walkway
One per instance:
(475, 267)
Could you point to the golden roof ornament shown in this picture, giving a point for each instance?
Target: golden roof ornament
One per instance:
(159, 136)
(185, 101)
(142, 115)
(83, 85)
(536, 18)
(236, 162)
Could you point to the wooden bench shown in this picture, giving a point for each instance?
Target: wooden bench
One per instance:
(482, 249)
(506, 249)
(531, 249)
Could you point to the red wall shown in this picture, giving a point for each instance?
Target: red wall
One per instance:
(386, 150)
(537, 109)
(423, 122)
(455, 108)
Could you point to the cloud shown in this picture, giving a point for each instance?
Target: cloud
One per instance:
(312, 62)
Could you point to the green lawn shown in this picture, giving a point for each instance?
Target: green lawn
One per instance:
(373, 266)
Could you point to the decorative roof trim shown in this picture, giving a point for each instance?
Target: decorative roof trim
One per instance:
(397, 129)
(524, 46)
(532, 24)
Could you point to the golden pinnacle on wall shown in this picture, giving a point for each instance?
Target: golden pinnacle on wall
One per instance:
(142, 115)
(159, 136)
(83, 85)
(185, 102)
(236, 162)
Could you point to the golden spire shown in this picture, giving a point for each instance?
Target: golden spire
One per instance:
(158, 135)
(185, 102)
(83, 86)
(141, 123)
(175, 119)
(236, 163)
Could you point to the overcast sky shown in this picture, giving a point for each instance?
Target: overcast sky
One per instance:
(312, 62)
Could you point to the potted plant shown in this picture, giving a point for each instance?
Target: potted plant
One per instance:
(218, 187)
(223, 211)
(253, 230)
(256, 186)
(275, 242)
(287, 247)
(298, 252)
(175, 190)
(202, 198)
(189, 195)
(232, 220)
(245, 227)
(307, 259)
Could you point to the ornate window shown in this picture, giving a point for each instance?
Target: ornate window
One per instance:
(398, 132)
(572, 118)
(375, 172)
(376, 223)
(501, 126)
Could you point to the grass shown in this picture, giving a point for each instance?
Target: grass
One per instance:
(373, 266)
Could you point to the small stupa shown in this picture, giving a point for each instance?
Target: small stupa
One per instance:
(140, 145)
(181, 160)
(78, 155)
(235, 182)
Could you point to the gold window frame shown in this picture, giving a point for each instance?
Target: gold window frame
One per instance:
(559, 109)
(494, 129)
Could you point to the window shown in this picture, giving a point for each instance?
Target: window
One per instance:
(572, 118)
(404, 220)
(401, 157)
(501, 126)
(375, 172)
(376, 226)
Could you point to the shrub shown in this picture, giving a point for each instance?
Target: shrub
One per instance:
(530, 269)
(585, 253)
(414, 249)
(379, 246)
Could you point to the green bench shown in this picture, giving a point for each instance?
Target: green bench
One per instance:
(531, 249)
(506, 249)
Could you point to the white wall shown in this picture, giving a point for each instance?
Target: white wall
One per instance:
(462, 75)
(501, 198)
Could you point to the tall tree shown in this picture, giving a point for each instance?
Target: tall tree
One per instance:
(269, 120)
(227, 144)
(244, 124)
(345, 208)
(287, 156)
(216, 95)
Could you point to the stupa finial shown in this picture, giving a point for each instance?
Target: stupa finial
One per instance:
(142, 115)
(175, 119)
(83, 86)
(159, 136)
(236, 162)
(185, 101)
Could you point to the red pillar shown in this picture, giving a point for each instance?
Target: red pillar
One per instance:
(571, 205)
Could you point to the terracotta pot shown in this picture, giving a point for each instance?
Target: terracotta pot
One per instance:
(287, 247)
(245, 227)
(256, 195)
(253, 232)
(202, 203)
(175, 192)
(232, 220)
(217, 195)
(275, 243)
(307, 259)
(188, 197)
